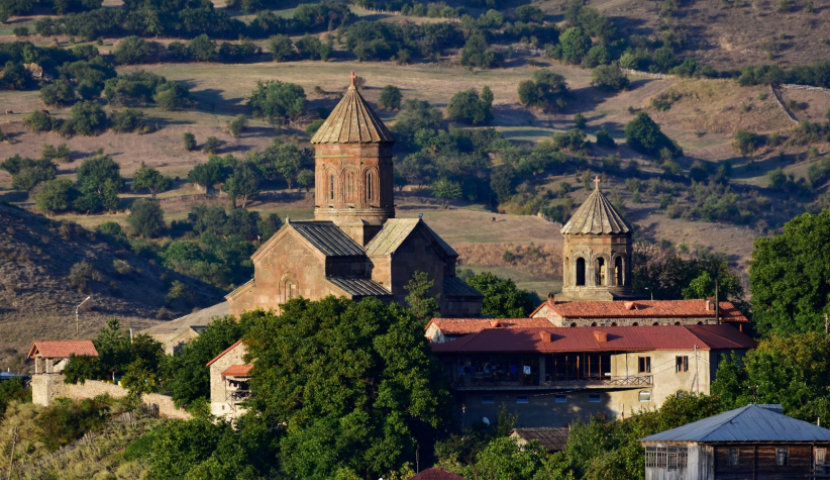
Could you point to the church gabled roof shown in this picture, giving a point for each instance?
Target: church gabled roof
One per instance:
(353, 121)
(359, 287)
(327, 238)
(596, 217)
(395, 231)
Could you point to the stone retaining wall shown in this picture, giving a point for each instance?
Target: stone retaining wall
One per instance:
(47, 387)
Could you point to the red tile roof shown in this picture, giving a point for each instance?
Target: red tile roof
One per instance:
(224, 352)
(238, 371)
(436, 474)
(645, 309)
(464, 326)
(63, 349)
(599, 339)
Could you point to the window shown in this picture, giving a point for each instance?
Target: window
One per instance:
(733, 457)
(681, 364)
(594, 398)
(644, 365)
(522, 399)
(560, 398)
(580, 272)
(645, 396)
(782, 456)
(672, 458)
(370, 186)
(618, 270)
(331, 187)
(599, 272)
(348, 187)
(488, 399)
(651, 457)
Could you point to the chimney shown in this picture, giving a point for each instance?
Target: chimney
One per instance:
(496, 324)
(708, 304)
(601, 337)
(551, 299)
(546, 337)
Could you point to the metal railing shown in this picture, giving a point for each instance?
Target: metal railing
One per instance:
(629, 381)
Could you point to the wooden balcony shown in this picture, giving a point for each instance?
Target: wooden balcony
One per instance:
(527, 383)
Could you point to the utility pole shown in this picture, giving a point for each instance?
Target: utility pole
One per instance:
(77, 318)
(418, 459)
(697, 372)
(717, 303)
(11, 459)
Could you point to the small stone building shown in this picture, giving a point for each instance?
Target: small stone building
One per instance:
(229, 376)
(553, 439)
(354, 247)
(175, 334)
(755, 442)
(52, 356)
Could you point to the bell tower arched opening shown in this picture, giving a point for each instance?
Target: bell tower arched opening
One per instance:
(618, 271)
(599, 272)
(580, 272)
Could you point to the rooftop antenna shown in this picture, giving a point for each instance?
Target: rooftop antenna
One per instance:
(77, 318)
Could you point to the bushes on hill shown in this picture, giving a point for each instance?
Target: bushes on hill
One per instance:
(148, 178)
(55, 196)
(609, 78)
(146, 219)
(281, 47)
(468, 106)
(27, 173)
(747, 142)
(277, 100)
(132, 50)
(390, 98)
(86, 118)
(58, 94)
(477, 53)
(644, 135)
(546, 91)
(189, 141)
(130, 120)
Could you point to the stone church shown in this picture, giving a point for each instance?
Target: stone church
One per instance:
(354, 247)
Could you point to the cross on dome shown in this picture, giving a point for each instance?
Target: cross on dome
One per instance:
(352, 78)
(596, 181)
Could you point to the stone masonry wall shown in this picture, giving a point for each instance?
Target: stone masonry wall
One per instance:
(47, 387)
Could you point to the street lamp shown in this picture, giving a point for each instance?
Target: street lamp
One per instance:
(77, 320)
(651, 292)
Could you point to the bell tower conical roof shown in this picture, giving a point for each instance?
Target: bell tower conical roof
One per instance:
(352, 121)
(597, 216)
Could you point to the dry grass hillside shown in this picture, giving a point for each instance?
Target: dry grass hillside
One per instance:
(41, 283)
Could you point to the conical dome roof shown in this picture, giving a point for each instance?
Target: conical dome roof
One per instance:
(353, 121)
(596, 217)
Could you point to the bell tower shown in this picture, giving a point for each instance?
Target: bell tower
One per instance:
(597, 253)
(353, 168)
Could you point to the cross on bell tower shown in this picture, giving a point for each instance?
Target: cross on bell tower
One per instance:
(352, 78)
(596, 182)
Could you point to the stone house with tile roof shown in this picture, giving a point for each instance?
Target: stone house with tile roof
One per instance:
(229, 376)
(52, 356)
(354, 247)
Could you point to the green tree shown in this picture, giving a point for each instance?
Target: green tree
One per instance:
(274, 99)
(202, 48)
(11, 390)
(132, 50)
(55, 196)
(99, 180)
(305, 179)
(212, 145)
(208, 174)
(366, 411)
(604, 138)
(59, 94)
(309, 47)
(41, 122)
(504, 458)
(88, 118)
(146, 218)
(421, 302)
(747, 142)
(172, 96)
(575, 44)
(15, 77)
(644, 135)
(789, 277)
(390, 98)
(150, 179)
(477, 53)
(280, 47)
(502, 298)
(446, 190)
(189, 141)
(467, 106)
(129, 120)
(237, 125)
(609, 78)
(547, 91)
(243, 183)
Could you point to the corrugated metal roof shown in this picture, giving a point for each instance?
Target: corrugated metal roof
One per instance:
(196, 320)
(353, 121)
(552, 438)
(455, 287)
(752, 423)
(596, 217)
(645, 309)
(63, 349)
(327, 237)
(361, 287)
(583, 339)
(395, 231)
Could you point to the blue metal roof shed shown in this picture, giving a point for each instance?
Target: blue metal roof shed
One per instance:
(749, 424)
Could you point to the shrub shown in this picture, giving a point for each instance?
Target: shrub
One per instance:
(54, 196)
(309, 47)
(609, 78)
(150, 179)
(274, 99)
(172, 95)
(20, 32)
(212, 145)
(202, 48)
(575, 44)
(644, 135)
(477, 52)
(146, 218)
(579, 121)
(132, 50)
(280, 47)
(122, 267)
(573, 140)
(81, 274)
(547, 91)
(111, 229)
(747, 142)
(60, 153)
(129, 121)
(467, 106)
(604, 138)
(15, 77)
(189, 141)
(237, 125)
(312, 127)
(390, 98)
(87, 118)
(59, 94)
(41, 122)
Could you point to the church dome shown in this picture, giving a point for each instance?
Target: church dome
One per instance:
(596, 217)
(353, 121)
